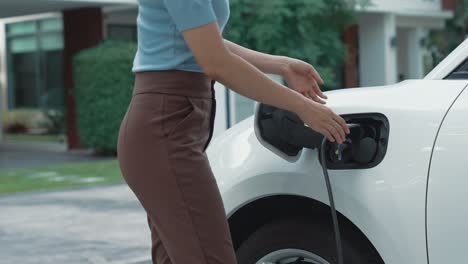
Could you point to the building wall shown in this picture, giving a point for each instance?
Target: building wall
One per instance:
(449, 4)
(410, 52)
(377, 49)
(3, 94)
(351, 71)
(391, 33)
(75, 40)
(406, 5)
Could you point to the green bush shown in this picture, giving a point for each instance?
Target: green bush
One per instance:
(103, 88)
(309, 30)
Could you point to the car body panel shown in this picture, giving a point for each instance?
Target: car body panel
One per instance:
(447, 199)
(387, 202)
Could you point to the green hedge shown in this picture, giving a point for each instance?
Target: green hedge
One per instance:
(310, 30)
(103, 88)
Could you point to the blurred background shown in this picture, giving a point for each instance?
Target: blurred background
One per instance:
(66, 81)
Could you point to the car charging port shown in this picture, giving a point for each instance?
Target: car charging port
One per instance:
(365, 146)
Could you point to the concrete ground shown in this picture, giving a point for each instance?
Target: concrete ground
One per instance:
(27, 155)
(83, 225)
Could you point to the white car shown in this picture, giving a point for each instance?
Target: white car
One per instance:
(404, 203)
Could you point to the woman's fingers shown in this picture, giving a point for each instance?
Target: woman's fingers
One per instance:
(313, 96)
(326, 121)
(338, 126)
(340, 130)
(327, 135)
(328, 131)
(317, 90)
(316, 98)
(308, 94)
(332, 132)
(314, 73)
(335, 133)
(342, 123)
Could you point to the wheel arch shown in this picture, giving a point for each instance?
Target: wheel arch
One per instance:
(245, 220)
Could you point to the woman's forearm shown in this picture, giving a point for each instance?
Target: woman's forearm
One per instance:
(239, 75)
(264, 62)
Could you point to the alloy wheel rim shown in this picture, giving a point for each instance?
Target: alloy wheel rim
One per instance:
(289, 256)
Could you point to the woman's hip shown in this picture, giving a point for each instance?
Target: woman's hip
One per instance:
(171, 113)
(174, 106)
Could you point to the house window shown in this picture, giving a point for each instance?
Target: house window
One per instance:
(35, 63)
(122, 32)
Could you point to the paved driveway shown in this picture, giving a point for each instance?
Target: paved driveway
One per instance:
(86, 225)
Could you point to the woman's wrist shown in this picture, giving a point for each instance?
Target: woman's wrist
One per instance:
(300, 103)
(273, 64)
(283, 65)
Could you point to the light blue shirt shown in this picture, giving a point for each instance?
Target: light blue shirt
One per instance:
(161, 45)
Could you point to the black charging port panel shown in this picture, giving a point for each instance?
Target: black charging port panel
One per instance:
(365, 147)
(275, 126)
(374, 128)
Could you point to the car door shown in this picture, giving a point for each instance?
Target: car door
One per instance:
(447, 194)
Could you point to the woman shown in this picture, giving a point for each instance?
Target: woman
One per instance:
(169, 122)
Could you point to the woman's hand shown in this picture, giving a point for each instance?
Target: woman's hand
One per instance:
(323, 120)
(303, 78)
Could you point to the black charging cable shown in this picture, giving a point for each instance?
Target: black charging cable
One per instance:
(296, 133)
(336, 227)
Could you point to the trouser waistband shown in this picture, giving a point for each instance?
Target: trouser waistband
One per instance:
(176, 82)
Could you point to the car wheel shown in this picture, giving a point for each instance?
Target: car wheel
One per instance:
(301, 241)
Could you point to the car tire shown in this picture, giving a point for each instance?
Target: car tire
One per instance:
(311, 235)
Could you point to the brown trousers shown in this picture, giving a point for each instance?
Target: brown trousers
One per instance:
(161, 154)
